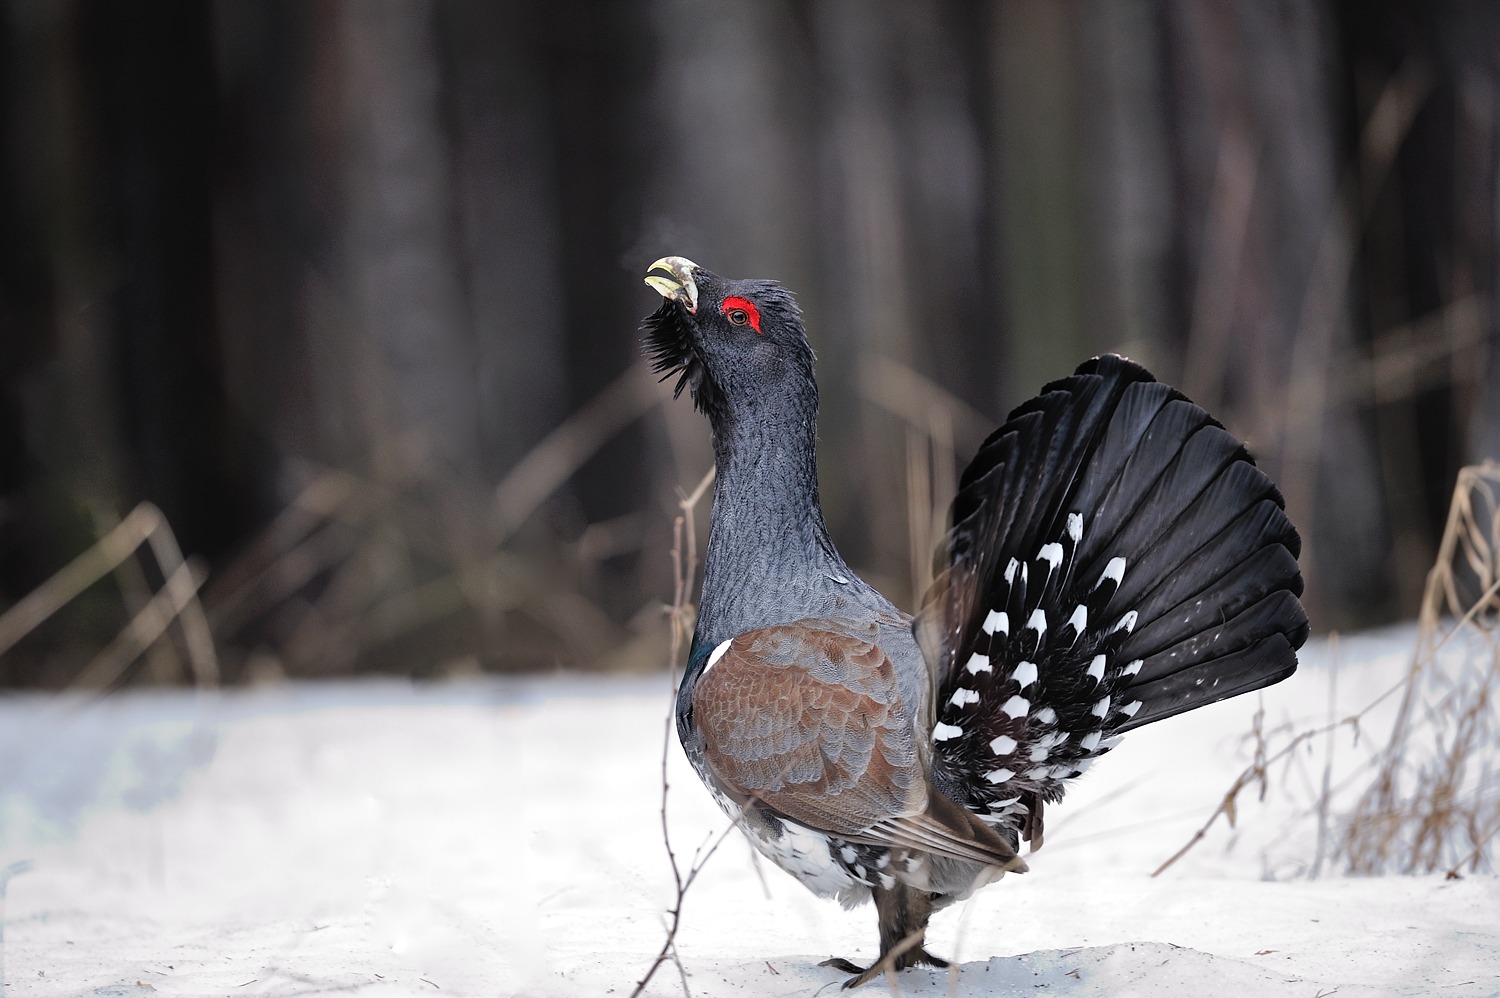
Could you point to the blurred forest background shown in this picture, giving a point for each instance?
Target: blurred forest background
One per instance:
(349, 293)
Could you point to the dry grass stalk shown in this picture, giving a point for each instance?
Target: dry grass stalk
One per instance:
(914, 399)
(353, 569)
(920, 535)
(295, 548)
(1433, 803)
(1440, 810)
(176, 601)
(563, 451)
(144, 629)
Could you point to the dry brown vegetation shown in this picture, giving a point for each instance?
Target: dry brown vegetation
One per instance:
(1434, 803)
(426, 360)
(1431, 801)
(353, 576)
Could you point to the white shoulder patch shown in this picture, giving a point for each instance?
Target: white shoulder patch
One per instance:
(717, 654)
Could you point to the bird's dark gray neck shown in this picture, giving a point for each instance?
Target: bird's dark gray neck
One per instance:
(770, 560)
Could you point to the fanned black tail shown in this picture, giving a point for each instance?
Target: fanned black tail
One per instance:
(1115, 558)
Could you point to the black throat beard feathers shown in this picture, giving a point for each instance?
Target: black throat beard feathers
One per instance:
(670, 347)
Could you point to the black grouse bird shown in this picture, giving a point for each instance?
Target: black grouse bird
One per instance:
(1115, 557)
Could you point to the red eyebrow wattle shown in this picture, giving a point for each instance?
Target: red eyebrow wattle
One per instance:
(744, 305)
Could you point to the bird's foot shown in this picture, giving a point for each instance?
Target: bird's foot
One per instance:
(894, 960)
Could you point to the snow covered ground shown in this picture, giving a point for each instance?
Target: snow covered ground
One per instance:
(503, 837)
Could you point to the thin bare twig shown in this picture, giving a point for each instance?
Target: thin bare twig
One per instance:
(1325, 794)
(680, 614)
(1255, 773)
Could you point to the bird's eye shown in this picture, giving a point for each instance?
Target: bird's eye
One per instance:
(741, 312)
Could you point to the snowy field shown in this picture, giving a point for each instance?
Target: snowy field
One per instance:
(503, 838)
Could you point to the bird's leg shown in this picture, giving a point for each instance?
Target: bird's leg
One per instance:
(903, 912)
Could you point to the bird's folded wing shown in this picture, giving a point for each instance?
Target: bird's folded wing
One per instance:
(806, 719)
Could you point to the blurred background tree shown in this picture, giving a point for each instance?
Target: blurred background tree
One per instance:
(350, 289)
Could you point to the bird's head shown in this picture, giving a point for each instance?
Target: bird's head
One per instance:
(739, 345)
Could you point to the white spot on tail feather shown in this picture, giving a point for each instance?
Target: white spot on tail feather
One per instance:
(1080, 619)
(1101, 708)
(1002, 745)
(1126, 623)
(999, 775)
(1130, 708)
(942, 732)
(1114, 570)
(963, 696)
(1016, 707)
(1025, 674)
(1038, 753)
(1010, 572)
(1135, 667)
(1090, 741)
(1052, 555)
(1046, 716)
(1075, 526)
(1096, 668)
(1037, 621)
(979, 663)
(997, 620)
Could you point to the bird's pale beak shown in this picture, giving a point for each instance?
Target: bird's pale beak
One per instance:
(680, 286)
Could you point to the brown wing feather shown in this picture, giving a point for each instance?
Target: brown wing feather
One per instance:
(807, 719)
